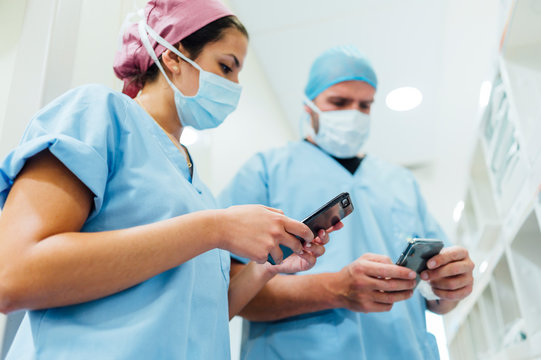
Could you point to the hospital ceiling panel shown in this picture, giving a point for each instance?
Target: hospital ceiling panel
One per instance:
(404, 49)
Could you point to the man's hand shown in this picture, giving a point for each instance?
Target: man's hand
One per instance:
(372, 283)
(450, 273)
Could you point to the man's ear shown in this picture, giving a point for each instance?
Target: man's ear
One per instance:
(314, 119)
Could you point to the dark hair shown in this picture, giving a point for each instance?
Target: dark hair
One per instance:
(195, 42)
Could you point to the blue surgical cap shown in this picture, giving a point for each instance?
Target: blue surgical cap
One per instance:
(338, 64)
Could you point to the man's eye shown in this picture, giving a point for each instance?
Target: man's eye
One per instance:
(339, 103)
(226, 69)
(365, 106)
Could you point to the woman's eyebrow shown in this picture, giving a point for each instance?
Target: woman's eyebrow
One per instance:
(235, 59)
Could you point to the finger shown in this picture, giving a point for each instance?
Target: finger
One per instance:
(378, 307)
(295, 227)
(389, 271)
(315, 249)
(391, 297)
(458, 294)
(273, 209)
(447, 270)
(322, 237)
(394, 284)
(452, 283)
(309, 258)
(335, 227)
(291, 242)
(447, 255)
(377, 258)
(277, 255)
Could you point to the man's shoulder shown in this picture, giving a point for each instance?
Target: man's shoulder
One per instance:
(384, 167)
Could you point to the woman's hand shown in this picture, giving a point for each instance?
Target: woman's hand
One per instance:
(255, 231)
(311, 251)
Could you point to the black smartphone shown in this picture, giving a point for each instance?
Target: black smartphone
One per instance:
(418, 252)
(324, 217)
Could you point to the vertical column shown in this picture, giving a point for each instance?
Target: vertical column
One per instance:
(43, 63)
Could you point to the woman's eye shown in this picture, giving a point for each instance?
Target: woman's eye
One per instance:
(226, 69)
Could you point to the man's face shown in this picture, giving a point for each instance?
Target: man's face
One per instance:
(347, 95)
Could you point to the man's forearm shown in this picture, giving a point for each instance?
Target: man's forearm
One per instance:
(290, 295)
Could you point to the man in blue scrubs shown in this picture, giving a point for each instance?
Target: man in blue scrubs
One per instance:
(354, 303)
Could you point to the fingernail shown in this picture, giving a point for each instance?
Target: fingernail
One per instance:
(301, 252)
(309, 245)
(412, 275)
(424, 276)
(431, 264)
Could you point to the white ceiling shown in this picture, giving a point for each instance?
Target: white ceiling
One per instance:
(410, 43)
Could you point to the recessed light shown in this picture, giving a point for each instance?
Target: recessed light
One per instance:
(404, 98)
(484, 93)
(483, 267)
(457, 213)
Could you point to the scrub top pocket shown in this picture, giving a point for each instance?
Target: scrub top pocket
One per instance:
(406, 225)
(284, 340)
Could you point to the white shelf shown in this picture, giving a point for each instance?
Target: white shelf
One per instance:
(501, 221)
(521, 55)
(525, 256)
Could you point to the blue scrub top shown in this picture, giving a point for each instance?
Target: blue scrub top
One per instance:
(138, 177)
(389, 208)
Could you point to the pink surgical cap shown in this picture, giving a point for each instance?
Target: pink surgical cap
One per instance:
(171, 19)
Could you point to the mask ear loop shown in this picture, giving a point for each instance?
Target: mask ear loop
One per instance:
(166, 44)
(143, 27)
(311, 105)
(311, 131)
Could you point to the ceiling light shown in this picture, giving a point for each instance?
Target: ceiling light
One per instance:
(457, 213)
(189, 136)
(404, 99)
(483, 267)
(484, 94)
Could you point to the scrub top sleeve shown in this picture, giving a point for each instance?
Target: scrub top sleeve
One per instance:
(431, 227)
(80, 129)
(248, 186)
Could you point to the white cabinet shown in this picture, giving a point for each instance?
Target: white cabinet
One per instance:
(501, 220)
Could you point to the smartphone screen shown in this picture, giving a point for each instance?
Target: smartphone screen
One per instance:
(323, 218)
(418, 252)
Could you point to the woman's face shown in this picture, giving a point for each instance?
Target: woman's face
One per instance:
(224, 57)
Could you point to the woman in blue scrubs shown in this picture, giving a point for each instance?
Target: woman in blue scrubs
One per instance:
(108, 237)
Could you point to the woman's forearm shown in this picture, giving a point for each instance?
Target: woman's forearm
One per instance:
(246, 283)
(70, 268)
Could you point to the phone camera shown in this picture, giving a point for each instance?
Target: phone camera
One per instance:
(345, 203)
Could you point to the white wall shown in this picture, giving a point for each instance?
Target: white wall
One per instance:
(443, 182)
(11, 18)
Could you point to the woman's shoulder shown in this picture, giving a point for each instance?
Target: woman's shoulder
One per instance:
(93, 94)
(94, 102)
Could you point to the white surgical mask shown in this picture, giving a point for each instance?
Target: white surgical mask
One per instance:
(341, 133)
(216, 97)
